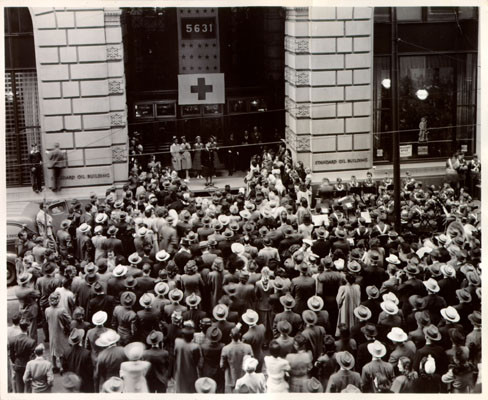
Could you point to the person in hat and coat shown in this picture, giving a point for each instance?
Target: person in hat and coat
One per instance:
(345, 376)
(194, 313)
(432, 348)
(109, 359)
(294, 319)
(124, 318)
(159, 373)
(46, 285)
(433, 302)
(188, 358)
(116, 284)
(403, 346)
(255, 335)
(211, 353)
(375, 366)
(133, 372)
(78, 359)
(303, 286)
(27, 297)
(98, 320)
(312, 333)
(232, 357)
(147, 318)
(58, 321)
(99, 301)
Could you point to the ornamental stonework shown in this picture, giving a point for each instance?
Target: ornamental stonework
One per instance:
(301, 45)
(303, 143)
(302, 78)
(290, 106)
(115, 86)
(303, 111)
(117, 119)
(114, 52)
(119, 153)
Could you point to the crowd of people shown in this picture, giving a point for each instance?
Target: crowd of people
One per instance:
(270, 289)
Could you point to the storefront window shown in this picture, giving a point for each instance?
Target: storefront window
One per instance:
(436, 100)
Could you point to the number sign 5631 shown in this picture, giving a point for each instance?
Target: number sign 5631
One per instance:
(198, 28)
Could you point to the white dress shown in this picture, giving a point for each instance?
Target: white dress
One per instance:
(276, 368)
(134, 375)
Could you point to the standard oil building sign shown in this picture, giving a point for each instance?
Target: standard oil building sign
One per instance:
(324, 162)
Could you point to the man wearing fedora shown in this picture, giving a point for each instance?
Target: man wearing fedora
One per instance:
(194, 313)
(432, 338)
(27, 297)
(293, 318)
(403, 346)
(158, 375)
(148, 318)
(232, 358)
(255, 335)
(124, 318)
(211, 353)
(98, 320)
(345, 376)
(375, 366)
(78, 359)
(109, 359)
(112, 243)
(58, 322)
(433, 302)
(46, 285)
(188, 359)
(115, 284)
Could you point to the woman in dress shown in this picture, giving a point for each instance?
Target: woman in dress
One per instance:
(185, 148)
(276, 369)
(133, 372)
(175, 149)
(207, 158)
(197, 157)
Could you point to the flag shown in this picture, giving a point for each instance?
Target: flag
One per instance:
(201, 89)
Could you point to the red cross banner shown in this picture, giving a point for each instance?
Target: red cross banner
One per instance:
(201, 89)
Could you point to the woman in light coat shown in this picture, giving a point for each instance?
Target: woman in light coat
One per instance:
(175, 150)
(133, 372)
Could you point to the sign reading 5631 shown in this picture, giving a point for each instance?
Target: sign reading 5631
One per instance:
(198, 28)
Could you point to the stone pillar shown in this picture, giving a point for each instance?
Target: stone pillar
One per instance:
(80, 70)
(328, 88)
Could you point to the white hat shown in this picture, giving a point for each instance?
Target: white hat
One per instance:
(391, 297)
(389, 307)
(99, 318)
(393, 259)
(432, 285)
(119, 270)
(237, 248)
(162, 255)
(377, 349)
(397, 335)
(450, 314)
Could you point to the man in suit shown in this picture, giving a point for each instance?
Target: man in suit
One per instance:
(168, 237)
(57, 160)
(231, 359)
(20, 350)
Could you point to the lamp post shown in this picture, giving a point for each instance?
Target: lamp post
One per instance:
(394, 117)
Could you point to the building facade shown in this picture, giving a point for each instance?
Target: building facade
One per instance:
(318, 77)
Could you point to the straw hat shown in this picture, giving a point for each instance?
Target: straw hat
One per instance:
(162, 255)
(287, 301)
(431, 285)
(309, 317)
(146, 300)
(193, 300)
(372, 291)
(175, 295)
(113, 385)
(119, 271)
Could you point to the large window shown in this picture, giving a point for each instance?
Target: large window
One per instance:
(437, 84)
(21, 96)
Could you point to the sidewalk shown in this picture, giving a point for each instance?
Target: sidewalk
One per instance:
(26, 194)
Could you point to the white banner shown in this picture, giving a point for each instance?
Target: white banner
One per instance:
(201, 89)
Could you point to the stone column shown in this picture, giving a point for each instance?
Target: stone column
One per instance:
(328, 88)
(80, 70)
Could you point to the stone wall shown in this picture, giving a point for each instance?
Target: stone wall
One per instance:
(80, 70)
(328, 87)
